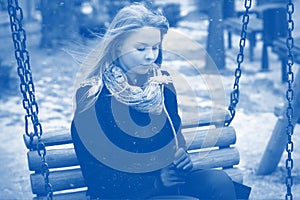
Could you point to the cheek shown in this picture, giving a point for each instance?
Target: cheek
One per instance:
(132, 59)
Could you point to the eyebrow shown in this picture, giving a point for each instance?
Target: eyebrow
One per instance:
(143, 43)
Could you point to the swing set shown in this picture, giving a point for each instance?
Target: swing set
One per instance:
(56, 173)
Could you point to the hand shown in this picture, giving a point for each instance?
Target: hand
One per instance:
(182, 160)
(175, 173)
(170, 177)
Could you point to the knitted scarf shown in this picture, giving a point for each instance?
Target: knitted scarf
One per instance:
(147, 98)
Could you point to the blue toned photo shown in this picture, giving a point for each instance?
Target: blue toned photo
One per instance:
(150, 99)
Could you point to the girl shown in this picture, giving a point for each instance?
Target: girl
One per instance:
(126, 127)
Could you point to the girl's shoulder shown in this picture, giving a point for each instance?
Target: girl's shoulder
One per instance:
(87, 93)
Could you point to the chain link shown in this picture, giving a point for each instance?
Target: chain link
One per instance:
(289, 97)
(33, 128)
(234, 95)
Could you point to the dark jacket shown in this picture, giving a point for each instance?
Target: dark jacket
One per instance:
(115, 119)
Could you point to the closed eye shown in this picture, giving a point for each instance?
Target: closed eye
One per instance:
(141, 48)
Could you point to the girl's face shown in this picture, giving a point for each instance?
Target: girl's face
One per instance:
(139, 50)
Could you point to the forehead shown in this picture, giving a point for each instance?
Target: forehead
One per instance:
(145, 35)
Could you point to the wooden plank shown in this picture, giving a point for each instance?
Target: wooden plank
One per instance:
(80, 196)
(69, 179)
(65, 157)
(198, 139)
(205, 119)
(55, 158)
(67, 196)
(279, 47)
(235, 25)
(215, 158)
(60, 180)
(280, 44)
(51, 138)
(234, 173)
(63, 136)
(38, 182)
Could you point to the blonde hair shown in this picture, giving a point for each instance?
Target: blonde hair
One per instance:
(127, 19)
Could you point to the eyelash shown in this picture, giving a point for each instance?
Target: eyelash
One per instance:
(143, 48)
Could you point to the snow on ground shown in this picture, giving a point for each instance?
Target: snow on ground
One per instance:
(54, 72)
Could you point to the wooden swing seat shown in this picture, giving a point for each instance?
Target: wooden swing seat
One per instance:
(211, 147)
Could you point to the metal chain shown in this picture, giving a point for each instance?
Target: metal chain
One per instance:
(289, 96)
(33, 127)
(234, 95)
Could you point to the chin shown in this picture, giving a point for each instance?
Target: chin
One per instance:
(142, 70)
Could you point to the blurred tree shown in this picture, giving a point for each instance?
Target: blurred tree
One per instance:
(92, 18)
(114, 6)
(28, 7)
(216, 11)
(215, 38)
(172, 13)
(58, 22)
(229, 9)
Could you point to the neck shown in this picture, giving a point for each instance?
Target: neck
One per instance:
(137, 79)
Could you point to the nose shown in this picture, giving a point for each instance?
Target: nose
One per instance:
(149, 55)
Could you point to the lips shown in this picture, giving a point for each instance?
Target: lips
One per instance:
(147, 65)
(144, 67)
